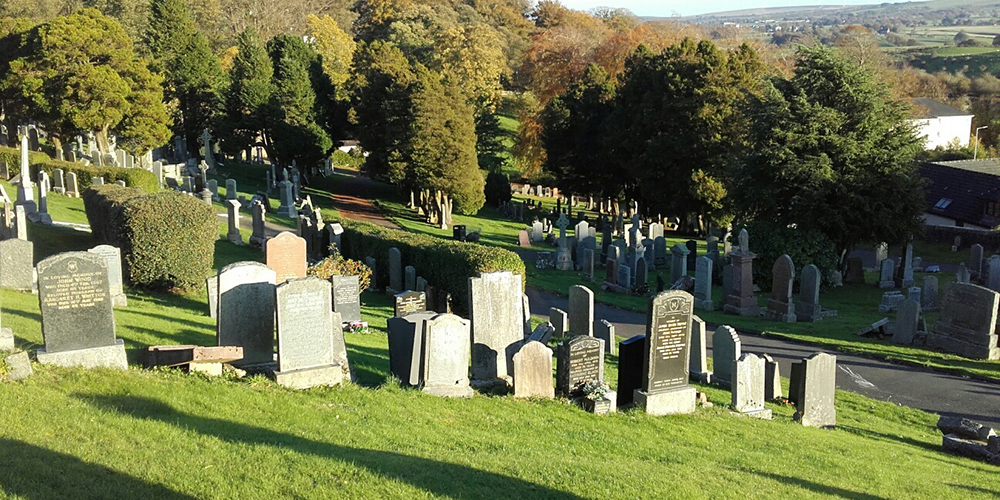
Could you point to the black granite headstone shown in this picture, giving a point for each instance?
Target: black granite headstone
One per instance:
(630, 375)
(75, 301)
(346, 297)
(405, 346)
(581, 359)
(409, 303)
(669, 331)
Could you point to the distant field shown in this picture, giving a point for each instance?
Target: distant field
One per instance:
(973, 61)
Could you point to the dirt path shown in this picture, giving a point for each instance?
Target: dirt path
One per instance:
(352, 198)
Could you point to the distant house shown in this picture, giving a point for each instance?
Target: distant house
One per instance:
(940, 123)
(963, 193)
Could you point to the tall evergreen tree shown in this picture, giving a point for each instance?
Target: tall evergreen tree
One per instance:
(297, 136)
(248, 96)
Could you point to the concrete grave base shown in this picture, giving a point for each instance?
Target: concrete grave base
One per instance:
(667, 403)
(112, 356)
(305, 378)
(763, 413)
(449, 391)
(6, 339)
(18, 366)
(120, 300)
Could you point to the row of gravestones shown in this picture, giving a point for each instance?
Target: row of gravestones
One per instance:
(781, 307)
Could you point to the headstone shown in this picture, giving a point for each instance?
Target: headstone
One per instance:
(748, 386)
(495, 312)
(246, 311)
(641, 274)
(665, 388)
(258, 237)
(815, 393)
(233, 210)
(17, 264)
(287, 207)
(904, 275)
(976, 259)
(72, 186)
(692, 255)
(963, 275)
(967, 323)
(286, 255)
(659, 252)
(306, 355)
(212, 291)
(523, 239)
(113, 256)
(905, 329)
(881, 254)
(536, 231)
(808, 308)
(703, 284)
(409, 278)
(406, 336)
(525, 314)
(886, 272)
(698, 364)
(855, 272)
(560, 321)
(346, 297)
(741, 299)
(624, 278)
(780, 307)
(772, 378)
(533, 371)
(630, 369)
(606, 331)
(78, 321)
(678, 265)
(407, 303)
(726, 348)
(588, 264)
(957, 243)
(446, 350)
(580, 360)
(396, 270)
(928, 294)
(581, 310)
(993, 278)
(611, 271)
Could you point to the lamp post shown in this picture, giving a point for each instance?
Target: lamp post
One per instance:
(975, 153)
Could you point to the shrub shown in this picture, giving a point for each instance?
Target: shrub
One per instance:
(339, 265)
(85, 174)
(167, 239)
(13, 158)
(770, 241)
(497, 189)
(348, 160)
(444, 263)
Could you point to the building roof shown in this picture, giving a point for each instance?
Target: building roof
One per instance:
(925, 107)
(960, 189)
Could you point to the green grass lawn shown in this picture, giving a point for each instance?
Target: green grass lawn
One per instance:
(973, 61)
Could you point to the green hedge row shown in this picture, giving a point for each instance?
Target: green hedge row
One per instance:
(443, 263)
(85, 174)
(167, 239)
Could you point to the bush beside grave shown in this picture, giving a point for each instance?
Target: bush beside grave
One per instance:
(167, 239)
(339, 265)
(85, 174)
(13, 158)
(445, 264)
(770, 241)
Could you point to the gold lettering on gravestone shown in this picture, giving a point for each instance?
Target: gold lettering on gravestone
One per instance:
(74, 291)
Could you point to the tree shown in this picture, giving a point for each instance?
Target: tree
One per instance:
(996, 41)
(960, 37)
(334, 45)
(831, 151)
(296, 134)
(246, 115)
(79, 72)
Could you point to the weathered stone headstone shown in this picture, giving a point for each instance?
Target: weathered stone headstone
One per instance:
(748, 386)
(409, 278)
(542, 333)
(967, 323)
(624, 278)
(78, 321)
(907, 316)
(258, 237)
(929, 293)
(993, 278)
(72, 186)
(525, 314)
(611, 271)
(212, 291)
(17, 268)
(726, 348)
(904, 274)
(346, 297)
(406, 336)
(446, 350)
(886, 274)
(665, 388)
(246, 311)
(679, 263)
(533, 371)
(976, 259)
(641, 274)
(113, 256)
(698, 363)
(581, 310)
(497, 328)
(781, 307)
(231, 192)
(815, 392)
(523, 239)
(286, 255)
(306, 355)
(741, 299)
(692, 256)
(659, 252)
(807, 308)
(580, 359)
(559, 320)
(605, 331)
(233, 216)
(407, 303)
(703, 284)
(630, 369)
(395, 270)
(772, 378)
(963, 274)
(588, 264)
(536, 231)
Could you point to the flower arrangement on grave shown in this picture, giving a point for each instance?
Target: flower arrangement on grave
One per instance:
(337, 264)
(595, 389)
(357, 327)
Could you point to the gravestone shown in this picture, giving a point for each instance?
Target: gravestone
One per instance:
(907, 316)
(641, 274)
(630, 369)
(581, 310)
(780, 306)
(703, 284)
(233, 211)
(113, 256)
(246, 311)
(495, 310)
(559, 320)
(409, 278)
(904, 274)
(748, 386)
(588, 264)
(542, 333)
(533, 371)
(407, 303)
(580, 359)
(611, 271)
(962, 275)
(659, 252)
(678, 266)
(525, 314)
(372, 264)
(807, 308)
(886, 272)
(772, 378)
(698, 363)
(929, 293)
(395, 270)
(665, 388)
(305, 326)
(692, 255)
(881, 253)
(741, 299)
(993, 276)
(605, 331)
(815, 391)
(523, 239)
(78, 320)
(726, 348)
(406, 346)
(72, 186)
(536, 231)
(17, 270)
(855, 272)
(258, 237)
(346, 297)
(287, 206)
(446, 349)
(231, 192)
(976, 259)
(212, 291)
(286, 255)
(624, 278)
(967, 323)
(213, 187)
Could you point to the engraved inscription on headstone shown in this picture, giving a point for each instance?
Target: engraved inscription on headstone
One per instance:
(75, 302)
(669, 331)
(410, 302)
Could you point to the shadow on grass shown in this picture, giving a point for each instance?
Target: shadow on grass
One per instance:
(888, 437)
(976, 489)
(438, 478)
(817, 487)
(31, 472)
(364, 361)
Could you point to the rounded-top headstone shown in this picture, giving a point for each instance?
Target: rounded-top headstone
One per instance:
(75, 301)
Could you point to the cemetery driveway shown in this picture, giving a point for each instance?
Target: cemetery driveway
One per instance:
(905, 385)
(352, 196)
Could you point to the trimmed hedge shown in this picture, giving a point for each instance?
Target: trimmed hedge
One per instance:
(444, 263)
(167, 239)
(85, 174)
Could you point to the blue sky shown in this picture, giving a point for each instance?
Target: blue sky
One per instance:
(666, 8)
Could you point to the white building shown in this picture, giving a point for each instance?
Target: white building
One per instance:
(941, 124)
